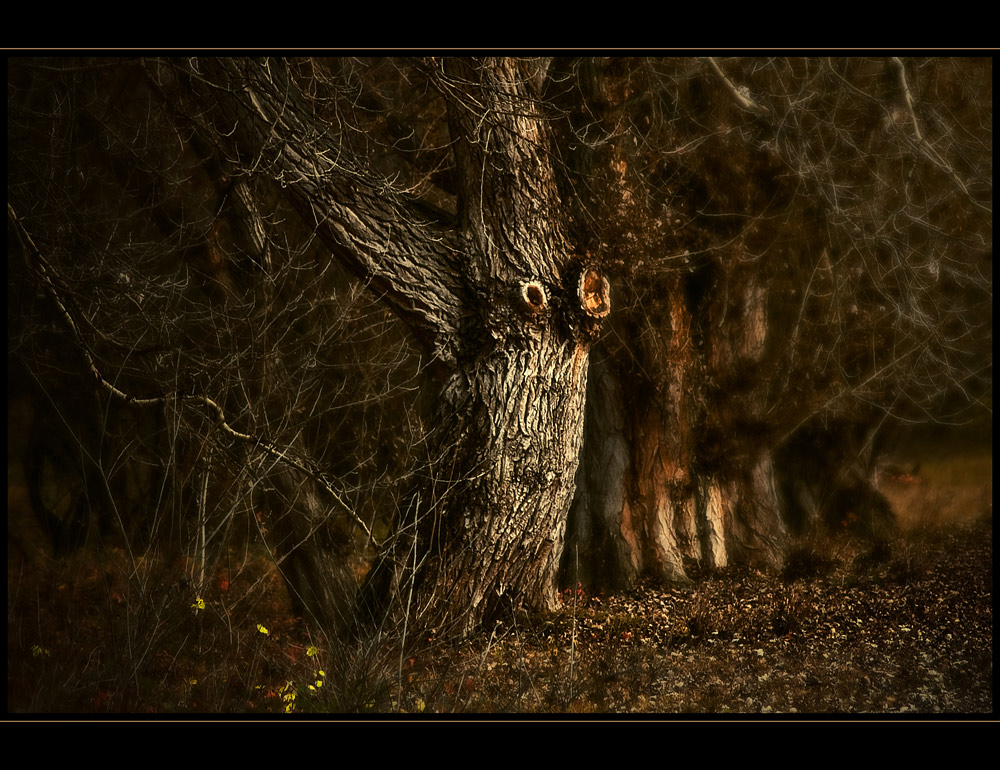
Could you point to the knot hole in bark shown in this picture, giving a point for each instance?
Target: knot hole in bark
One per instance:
(595, 293)
(533, 297)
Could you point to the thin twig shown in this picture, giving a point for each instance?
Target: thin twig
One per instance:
(741, 94)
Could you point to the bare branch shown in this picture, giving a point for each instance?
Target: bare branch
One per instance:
(740, 93)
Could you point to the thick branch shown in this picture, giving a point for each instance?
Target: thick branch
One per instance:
(509, 201)
(413, 262)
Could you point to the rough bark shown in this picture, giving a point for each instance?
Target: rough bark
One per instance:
(635, 508)
(489, 537)
(503, 304)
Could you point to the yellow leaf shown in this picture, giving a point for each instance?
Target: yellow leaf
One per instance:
(262, 629)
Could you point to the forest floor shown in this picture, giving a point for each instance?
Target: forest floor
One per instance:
(857, 633)
(846, 628)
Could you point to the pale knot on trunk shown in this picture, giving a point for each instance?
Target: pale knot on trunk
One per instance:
(533, 297)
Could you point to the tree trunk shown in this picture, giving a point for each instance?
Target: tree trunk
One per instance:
(739, 496)
(690, 335)
(602, 543)
(506, 307)
(489, 534)
(635, 510)
(673, 479)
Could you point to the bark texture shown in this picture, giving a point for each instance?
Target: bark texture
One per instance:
(506, 308)
(489, 536)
